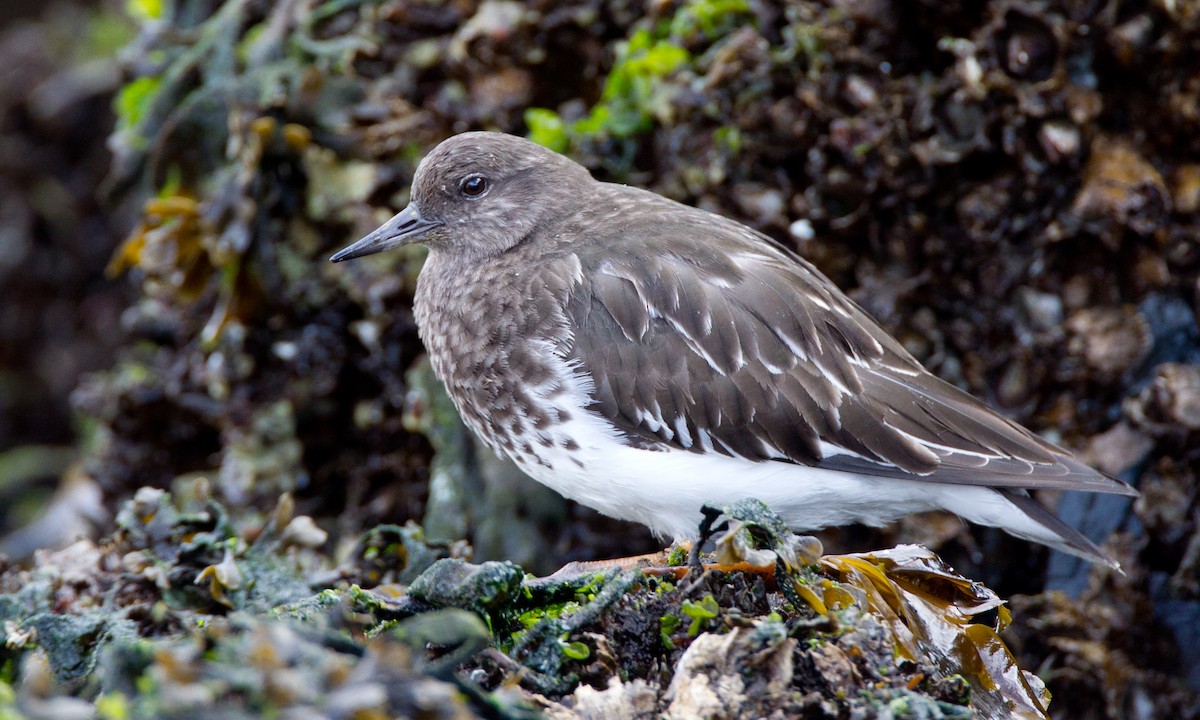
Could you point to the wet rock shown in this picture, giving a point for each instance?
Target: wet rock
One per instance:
(765, 206)
(504, 94)
(1132, 37)
(634, 700)
(1121, 189)
(1026, 47)
(1059, 140)
(1172, 399)
(452, 582)
(1110, 340)
(1186, 188)
(1166, 505)
(1118, 449)
(861, 92)
(835, 668)
(711, 681)
(1043, 310)
(1082, 636)
(983, 212)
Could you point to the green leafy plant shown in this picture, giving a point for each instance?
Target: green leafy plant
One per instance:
(700, 613)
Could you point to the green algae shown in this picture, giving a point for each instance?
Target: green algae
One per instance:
(700, 613)
(454, 583)
(254, 601)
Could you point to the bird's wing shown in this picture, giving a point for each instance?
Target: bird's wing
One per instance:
(704, 335)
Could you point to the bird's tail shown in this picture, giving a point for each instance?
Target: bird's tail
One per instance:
(1048, 529)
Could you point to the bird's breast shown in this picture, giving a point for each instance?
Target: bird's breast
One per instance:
(493, 346)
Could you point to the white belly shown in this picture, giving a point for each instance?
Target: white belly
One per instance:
(665, 489)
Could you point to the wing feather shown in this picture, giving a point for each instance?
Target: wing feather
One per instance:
(750, 351)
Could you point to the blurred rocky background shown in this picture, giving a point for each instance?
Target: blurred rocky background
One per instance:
(1011, 188)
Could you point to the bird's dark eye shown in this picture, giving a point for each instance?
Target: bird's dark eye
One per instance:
(473, 186)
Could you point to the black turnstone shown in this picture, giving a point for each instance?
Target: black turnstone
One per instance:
(647, 358)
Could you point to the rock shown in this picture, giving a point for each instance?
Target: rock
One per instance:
(1122, 189)
(835, 667)
(1165, 507)
(1118, 449)
(764, 205)
(861, 93)
(1174, 396)
(1059, 140)
(634, 700)
(1111, 340)
(1186, 189)
(1026, 47)
(711, 681)
(1043, 310)
(451, 582)
(503, 93)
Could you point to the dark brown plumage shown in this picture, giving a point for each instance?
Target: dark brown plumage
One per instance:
(646, 358)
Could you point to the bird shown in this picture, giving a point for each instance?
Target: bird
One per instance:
(648, 359)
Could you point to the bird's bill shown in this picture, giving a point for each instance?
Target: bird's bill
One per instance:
(405, 227)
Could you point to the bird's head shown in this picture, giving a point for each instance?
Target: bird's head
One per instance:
(478, 194)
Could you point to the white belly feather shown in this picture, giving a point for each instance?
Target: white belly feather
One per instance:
(665, 489)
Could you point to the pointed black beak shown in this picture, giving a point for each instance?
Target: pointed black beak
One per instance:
(406, 227)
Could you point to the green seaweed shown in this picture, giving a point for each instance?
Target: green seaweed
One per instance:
(700, 613)
(145, 10)
(668, 625)
(710, 18)
(134, 99)
(547, 128)
(638, 91)
(485, 588)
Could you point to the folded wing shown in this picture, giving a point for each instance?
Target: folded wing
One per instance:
(714, 339)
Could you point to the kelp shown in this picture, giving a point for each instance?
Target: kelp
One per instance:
(929, 609)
